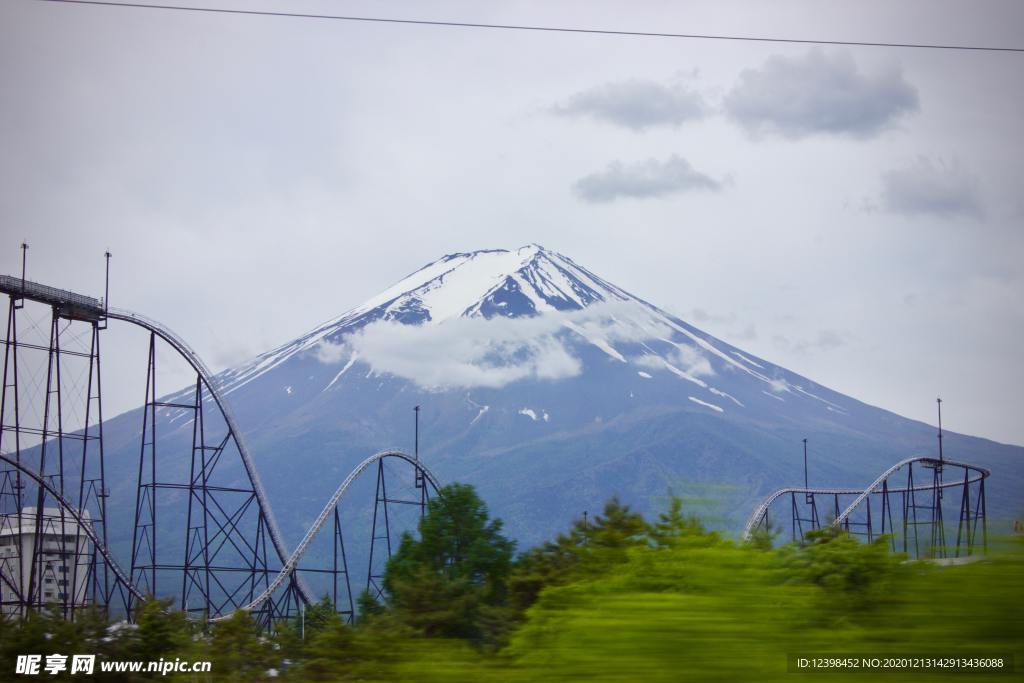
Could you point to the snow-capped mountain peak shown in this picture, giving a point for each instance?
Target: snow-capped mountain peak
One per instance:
(492, 317)
(489, 283)
(484, 284)
(550, 389)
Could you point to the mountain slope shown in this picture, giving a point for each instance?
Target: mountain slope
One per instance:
(551, 390)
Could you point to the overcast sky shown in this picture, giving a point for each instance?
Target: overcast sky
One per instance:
(854, 214)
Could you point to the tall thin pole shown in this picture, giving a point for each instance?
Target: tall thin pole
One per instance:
(416, 448)
(805, 465)
(24, 259)
(938, 402)
(106, 289)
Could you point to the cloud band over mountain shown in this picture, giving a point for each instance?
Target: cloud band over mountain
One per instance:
(480, 352)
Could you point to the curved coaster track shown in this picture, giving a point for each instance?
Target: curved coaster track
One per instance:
(203, 532)
(908, 504)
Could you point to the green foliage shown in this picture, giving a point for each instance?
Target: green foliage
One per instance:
(458, 541)
(674, 525)
(451, 581)
(367, 607)
(160, 632)
(615, 600)
(690, 608)
(241, 651)
(708, 609)
(854, 575)
(617, 527)
(587, 549)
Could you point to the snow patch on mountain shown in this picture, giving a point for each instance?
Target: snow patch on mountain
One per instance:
(705, 403)
(682, 374)
(684, 361)
(351, 360)
(597, 341)
(747, 360)
(719, 392)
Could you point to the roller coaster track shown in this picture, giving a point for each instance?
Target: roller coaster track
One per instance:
(197, 364)
(876, 487)
(292, 564)
(73, 306)
(83, 524)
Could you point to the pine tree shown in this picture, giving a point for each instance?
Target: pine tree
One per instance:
(673, 525)
(450, 581)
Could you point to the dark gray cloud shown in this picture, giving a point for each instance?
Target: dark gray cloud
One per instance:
(819, 93)
(636, 104)
(932, 189)
(643, 180)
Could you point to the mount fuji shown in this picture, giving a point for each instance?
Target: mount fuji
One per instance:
(551, 389)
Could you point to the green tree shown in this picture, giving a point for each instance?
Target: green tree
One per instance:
(855, 576)
(329, 654)
(548, 564)
(674, 525)
(452, 580)
(292, 636)
(367, 607)
(159, 632)
(617, 527)
(241, 651)
(588, 549)
(317, 617)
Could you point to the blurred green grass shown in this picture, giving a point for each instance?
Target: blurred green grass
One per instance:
(708, 609)
(693, 606)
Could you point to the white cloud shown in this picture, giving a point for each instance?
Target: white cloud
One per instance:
(692, 360)
(329, 353)
(480, 352)
(688, 359)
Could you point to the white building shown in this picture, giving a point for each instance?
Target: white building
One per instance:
(62, 576)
